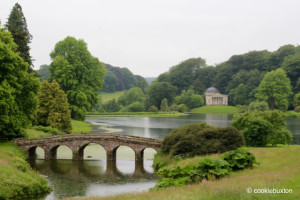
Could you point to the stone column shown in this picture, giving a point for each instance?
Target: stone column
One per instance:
(111, 155)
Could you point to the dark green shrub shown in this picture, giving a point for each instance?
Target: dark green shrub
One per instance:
(239, 159)
(201, 139)
(135, 107)
(153, 109)
(263, 128)
(182, 108)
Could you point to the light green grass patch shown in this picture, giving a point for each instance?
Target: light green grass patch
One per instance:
(33, 133)
(279, 169)
(215, 109)
(81, 127)
(106, 96)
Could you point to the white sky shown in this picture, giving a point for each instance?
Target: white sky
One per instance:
(150, 36)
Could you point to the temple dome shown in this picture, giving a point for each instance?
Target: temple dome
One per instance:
(212, 90)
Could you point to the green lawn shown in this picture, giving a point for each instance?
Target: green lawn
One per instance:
(279, 169)
(215, 109)
(81, 127)
(106, 96)
(17, 180)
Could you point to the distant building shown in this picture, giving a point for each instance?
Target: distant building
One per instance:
(213, 97)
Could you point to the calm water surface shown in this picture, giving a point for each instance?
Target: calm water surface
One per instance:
(95, 177)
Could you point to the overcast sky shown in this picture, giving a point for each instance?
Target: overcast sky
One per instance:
(150, 36)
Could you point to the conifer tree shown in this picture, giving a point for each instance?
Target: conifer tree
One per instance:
(17, 25)
(54, 109)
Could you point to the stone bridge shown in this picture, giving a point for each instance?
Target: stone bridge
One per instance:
(77, 143)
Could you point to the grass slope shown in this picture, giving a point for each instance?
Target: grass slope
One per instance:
(279, 169)
(81, 127)
(106, 96)
(17, 180)
(215, 109)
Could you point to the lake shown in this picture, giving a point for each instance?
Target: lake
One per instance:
(96, 177)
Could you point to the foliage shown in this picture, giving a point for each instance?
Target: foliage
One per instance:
(158, 91)
(135, 107)
(48, 129)
(275, 88)
(239, 159)
(164, 105)
(53, 109)
(207, 168)
(296, 100)
(297, 109)
(241, 95)
(17, 25)
(44, 72)
(190, 99)
(18, 90)
(201, 139)
(182, 108)
(262, 128)
(153, 109)
(79, 74)
(120, 79)
(112, 106)
(133, 95)
(258, 105)
(291, 65)
(17, 180)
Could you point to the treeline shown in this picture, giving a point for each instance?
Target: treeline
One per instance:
(239, 77)
(116, 78)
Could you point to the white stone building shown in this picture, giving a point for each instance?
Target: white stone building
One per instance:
(213, 97)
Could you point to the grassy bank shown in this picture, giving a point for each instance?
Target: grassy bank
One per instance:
(215, 109)
(136, 114)
(279, 169)
(78, 127)
(106, 96)
(17, 180)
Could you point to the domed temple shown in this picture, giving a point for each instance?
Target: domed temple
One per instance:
(213, 97)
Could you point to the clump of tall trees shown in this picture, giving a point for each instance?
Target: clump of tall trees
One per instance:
(18, 89)
(53, 109)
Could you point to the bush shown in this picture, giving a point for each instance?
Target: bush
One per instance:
(201, 139)
(239, 159)
(259, 106)
(182, 108)
(263, 128)
(297, 109)
(135, 107)
(153, 109)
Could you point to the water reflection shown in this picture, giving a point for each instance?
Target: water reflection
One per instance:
(99, 177)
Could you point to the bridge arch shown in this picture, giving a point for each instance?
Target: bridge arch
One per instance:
(82, 150)
(53, 151)
(31, 152)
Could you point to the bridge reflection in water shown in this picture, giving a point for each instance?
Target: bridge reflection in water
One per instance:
(71, 178)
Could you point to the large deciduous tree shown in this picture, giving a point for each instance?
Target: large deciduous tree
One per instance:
(18, 89)
(17, 25)
(291, 65)
(158, 91)
(275, 88)
(79, 74)
(53, 109)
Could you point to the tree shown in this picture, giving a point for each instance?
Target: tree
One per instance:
(240, 97)
(53, 109)
(112, 106)
(111, 82)
(133, 95)
(44, 72)
(79, 74)
(291, 65)
(296, 100)
(17, 25)
(275, 89)
(158, 91)
(18, 89)
(136, 107)
(190, 99)
(263, 128)
(164, 105)
(258, 106)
